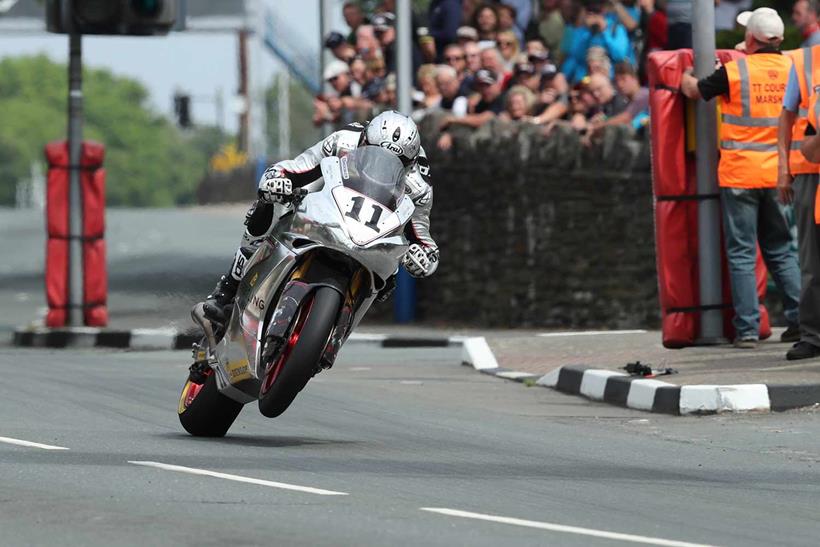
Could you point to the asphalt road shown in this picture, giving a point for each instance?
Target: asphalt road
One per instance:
(384, 435)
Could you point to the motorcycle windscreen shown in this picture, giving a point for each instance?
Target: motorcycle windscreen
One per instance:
(372, 185)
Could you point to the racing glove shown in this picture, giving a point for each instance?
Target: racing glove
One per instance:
(275, 187)
(420, 262)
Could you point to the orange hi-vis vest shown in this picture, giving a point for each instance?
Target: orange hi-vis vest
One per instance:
(813, 117)
(803, 60)
(748, 131)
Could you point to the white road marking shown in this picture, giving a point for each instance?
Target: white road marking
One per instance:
(19, 442)
(561, 528)
(591, 333)
(239, 478)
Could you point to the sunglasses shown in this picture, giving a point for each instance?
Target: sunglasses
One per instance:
(506, 43)
(454, 58)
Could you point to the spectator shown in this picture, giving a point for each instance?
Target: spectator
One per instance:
(598, 62)
(429, 92)
(598, 30)
(340, 47)
(485, 22)
(483, 107)
(358, 73)
(804, 17)
(385, 32)
(525, 75)
(551, 25)
(522, 15)
(553, 99)
(472, 54)
(354, 17)
(445, 18)
(636, 114)
(509, 48)
(468, 9)
(329, 108)
(506, 21)
(466, 34)
(455, 57)
(609, 103)
(679, 21)
(491, 60)
(367, 45)
(448, 85)
(518, 104)
(657, 32)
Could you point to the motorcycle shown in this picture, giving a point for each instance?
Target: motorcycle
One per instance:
(304, 290)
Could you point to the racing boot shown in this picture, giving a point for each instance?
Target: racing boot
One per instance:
(217, 305)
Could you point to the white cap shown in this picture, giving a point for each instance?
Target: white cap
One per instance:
(334, 68)
(764, 24)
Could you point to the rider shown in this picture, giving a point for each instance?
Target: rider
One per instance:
(390, 130)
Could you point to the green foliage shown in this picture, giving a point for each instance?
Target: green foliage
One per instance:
(148, 160)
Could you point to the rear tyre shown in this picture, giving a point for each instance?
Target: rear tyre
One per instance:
(308, 341)
(204, 412)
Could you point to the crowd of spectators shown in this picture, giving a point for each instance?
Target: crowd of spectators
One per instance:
(577, 63)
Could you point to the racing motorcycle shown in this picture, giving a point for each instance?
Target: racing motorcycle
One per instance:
(305, 289)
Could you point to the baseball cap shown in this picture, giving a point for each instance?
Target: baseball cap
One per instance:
(764, 24)
(335, 68)
(524, 68)
(334, 40)
(467, 33)
(384, 21)
(485, 76)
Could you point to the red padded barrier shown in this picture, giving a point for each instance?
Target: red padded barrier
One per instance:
(95, 278)
(676, 206)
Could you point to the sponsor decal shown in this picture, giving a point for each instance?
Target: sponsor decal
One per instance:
(239, 370)
(258, 303)
(327, 147)
(345, 171)
(396, 135)
(395, 148)
(254, 278)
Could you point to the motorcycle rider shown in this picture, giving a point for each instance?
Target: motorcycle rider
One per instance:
(390, 130)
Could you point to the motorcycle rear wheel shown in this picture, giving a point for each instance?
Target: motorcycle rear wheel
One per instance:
(204, 412)
(297, 361)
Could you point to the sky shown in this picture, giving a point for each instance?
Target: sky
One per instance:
(197, 63)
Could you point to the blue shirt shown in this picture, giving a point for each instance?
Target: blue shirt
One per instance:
(613, 39)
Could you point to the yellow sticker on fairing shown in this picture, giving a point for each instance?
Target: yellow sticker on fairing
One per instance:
(239, 371)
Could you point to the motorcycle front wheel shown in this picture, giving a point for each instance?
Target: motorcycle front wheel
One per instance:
(291, 368)
(203, 411)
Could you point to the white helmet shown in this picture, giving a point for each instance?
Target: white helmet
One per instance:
(397, 133)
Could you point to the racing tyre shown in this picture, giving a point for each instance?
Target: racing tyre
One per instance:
(296, 363)
(203, 411)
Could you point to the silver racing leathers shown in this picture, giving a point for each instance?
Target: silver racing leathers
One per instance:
(304, 169)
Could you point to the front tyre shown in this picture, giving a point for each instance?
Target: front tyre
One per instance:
(203, 411)
(297, 361)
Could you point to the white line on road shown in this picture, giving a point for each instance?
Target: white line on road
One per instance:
(562, 528)
(239, 478)
(591, 333)
(18, 442)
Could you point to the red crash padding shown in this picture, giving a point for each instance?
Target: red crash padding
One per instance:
(95, 278)
(676, 205)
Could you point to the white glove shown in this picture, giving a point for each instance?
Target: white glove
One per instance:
(274, 187)
(419, 262)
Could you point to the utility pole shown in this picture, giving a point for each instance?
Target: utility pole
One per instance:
(709, 261)
(284, 114)
(75, 202)
(244, 114)
(404, 56)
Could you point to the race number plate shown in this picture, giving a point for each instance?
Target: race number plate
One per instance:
(366, 219)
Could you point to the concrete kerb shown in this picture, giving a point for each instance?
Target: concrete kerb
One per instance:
(651, 395)
(607, 386)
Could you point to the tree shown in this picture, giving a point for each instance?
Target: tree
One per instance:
(149, 161)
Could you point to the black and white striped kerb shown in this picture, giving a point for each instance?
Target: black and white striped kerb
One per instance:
(169, 339)
(652, 395)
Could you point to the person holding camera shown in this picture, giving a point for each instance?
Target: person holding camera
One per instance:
(601, 28)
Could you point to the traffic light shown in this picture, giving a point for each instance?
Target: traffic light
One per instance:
(118, 17)
(182, 110)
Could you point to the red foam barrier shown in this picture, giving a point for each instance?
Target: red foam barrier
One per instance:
(95, 276)
(676, 205)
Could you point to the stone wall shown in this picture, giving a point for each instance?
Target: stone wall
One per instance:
(540, 231)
